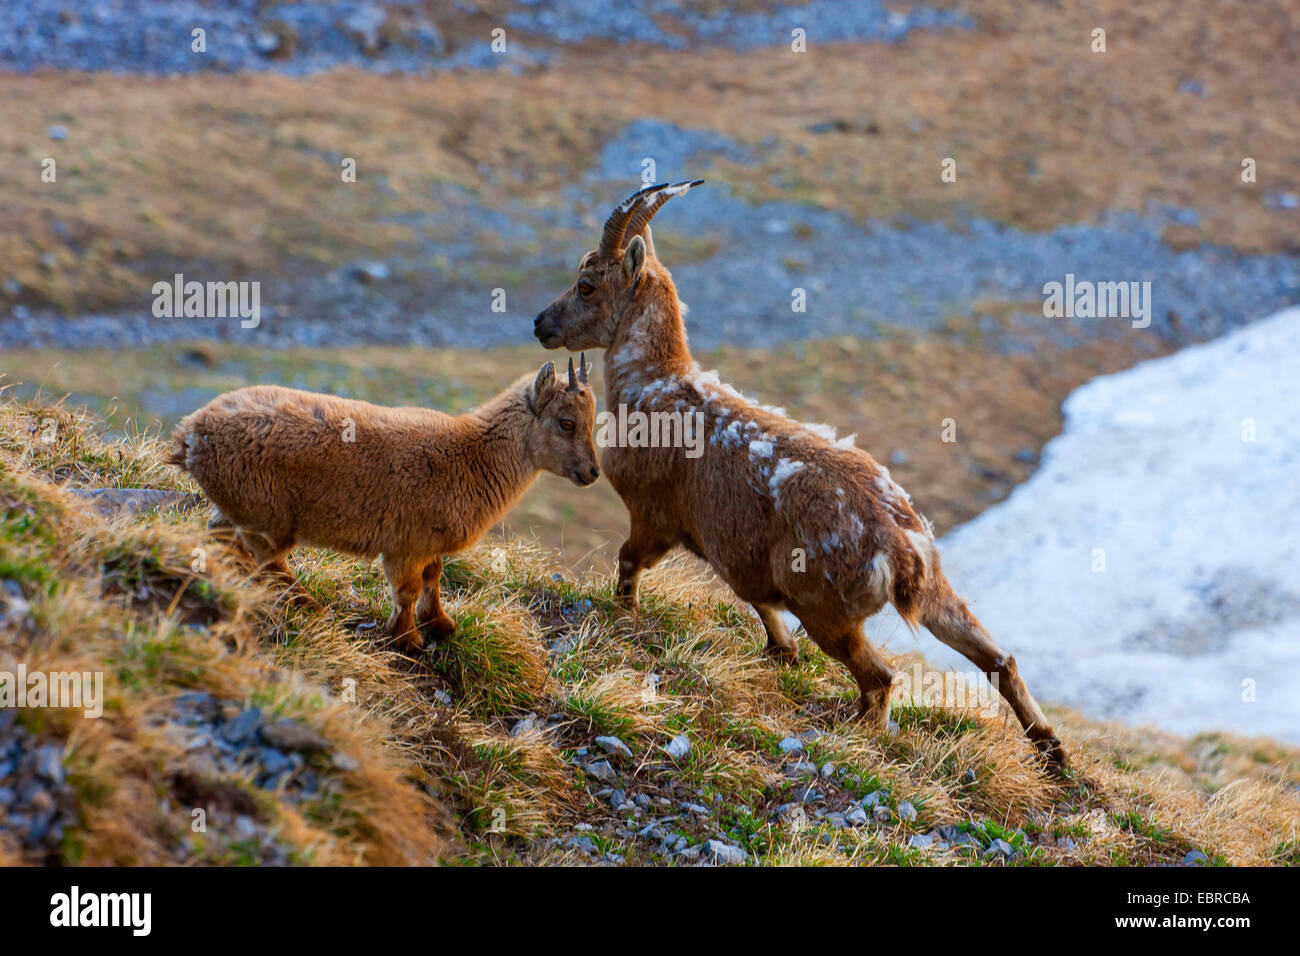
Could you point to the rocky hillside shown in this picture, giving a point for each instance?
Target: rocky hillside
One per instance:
(240, 727)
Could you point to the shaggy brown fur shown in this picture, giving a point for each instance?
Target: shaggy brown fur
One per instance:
(411, 484)
(787, 516)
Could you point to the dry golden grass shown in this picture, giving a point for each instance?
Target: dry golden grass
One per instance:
(436, 772)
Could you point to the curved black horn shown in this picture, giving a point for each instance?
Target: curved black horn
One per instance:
(582, 368)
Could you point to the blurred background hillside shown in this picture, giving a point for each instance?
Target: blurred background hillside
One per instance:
(483, 168)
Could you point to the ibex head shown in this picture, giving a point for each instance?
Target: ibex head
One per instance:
(587, 315)
(560, 435)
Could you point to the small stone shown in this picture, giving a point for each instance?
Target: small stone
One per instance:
(245, 827)
(807, 793)
(695, 808)
(602, 771)
(364, 24)
(968, 777)
(642, 800)
(617, 799)
(524, 726)
(856, 816)
(951, 834)
(442, 697)
(273, 761)
(346, 762)
(828, 769)
(243, 727)
(920, 841)
(874, 799)
(368, 273)
(837, 820)
(791, 745)
(1000, 848)
(614, 747)
(906, 811)
(678, 747)
(723, 854)
(803, 768)
(48, 764)
(881, 813)
(291, 735)
(57, 133)
(1065, 843)
(203, 705)
(1194, 858)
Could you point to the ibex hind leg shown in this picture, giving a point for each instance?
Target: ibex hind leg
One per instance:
(842, 638)
(946, 616)
(270, 556)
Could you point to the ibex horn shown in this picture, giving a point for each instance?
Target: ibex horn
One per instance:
(573, 382)
(611, 240)
(648, 207)
(582, 368)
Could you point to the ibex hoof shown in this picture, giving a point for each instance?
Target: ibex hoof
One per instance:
(1050, 747)
(782, 655)
(412, 642)
(440, 626)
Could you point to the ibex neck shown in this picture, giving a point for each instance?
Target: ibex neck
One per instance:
(650, 343)
(496, 443)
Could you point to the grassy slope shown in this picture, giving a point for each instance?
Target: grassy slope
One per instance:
(434, 763)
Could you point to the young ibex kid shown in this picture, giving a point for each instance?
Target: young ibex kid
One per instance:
(412, 484)
(787, 516)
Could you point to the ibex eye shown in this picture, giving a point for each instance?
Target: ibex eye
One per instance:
(566, 425)
(586, 288)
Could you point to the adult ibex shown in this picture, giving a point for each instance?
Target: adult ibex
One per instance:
(788, 517)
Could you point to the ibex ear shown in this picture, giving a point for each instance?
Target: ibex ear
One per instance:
(633, 258)
(541, 385)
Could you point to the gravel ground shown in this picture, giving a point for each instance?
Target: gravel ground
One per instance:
(857, 277)
(154, 36)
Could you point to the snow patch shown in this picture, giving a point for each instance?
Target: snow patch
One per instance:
(1194, 622)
